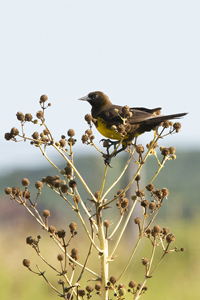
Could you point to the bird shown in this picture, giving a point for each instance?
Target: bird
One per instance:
(108, 118)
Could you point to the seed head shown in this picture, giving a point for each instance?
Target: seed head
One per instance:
(113, 279)
(52, 229)
(20, 116)
(62, 143)
(98, 286)
(61, 233)
(43, 98)
(38, 185)
(7, 136)
(158, 193)
(25, 182)
(70, 132)
(172, 150)
(140, 193)
(76, 198)
(137, 178)
(170, 238)
(145, 261)
(132, 284)
(106, 223)
(156, 229)
(26, 262)
(72, 184)
(73, 226)
(14, 131)
(125, 109)
(165, 124)
(145, 203)
(165, 230)
(39, 114)
(137, 220)
(46, 213)
(150, 187)
(165, 151)
(8, 191)
(64, 189)
(139, 149)
(124, 202)
(35, 135)
(30, 240)
(60, 257)
(177, 126)
(152, 205)
(81, 292)
(88, 118)
(165, 192)
(28, 117)
(89, 288)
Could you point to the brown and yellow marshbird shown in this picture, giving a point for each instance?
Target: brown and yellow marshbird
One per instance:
(133, 121)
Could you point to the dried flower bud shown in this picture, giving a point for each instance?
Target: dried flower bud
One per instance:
(137, 178)
(121, 193)
(39, 114)
(170, 238)
(28, 117)
(26, 262)
(25, 182)
(150, 187)
(137, 220)
(172, 150)
(62, 143)
(177, 126)
(43, 98)
(61, 233)
(165, 230)
(14, 131)
(52, 229)
(152, 205)
(81, 292)
(165, 151)
(38, 185)
(8, 191)
(76, 198)
(60, 257)
(89, 288)
(158, 193)
(46, 213)
(20, 116)
(98, 286)
(124, 202)
(113, 127)
(64, 189)
(49, 179)
(70, 132)
(73, 226)
(88, 118)
(84, 138)
(7, 136)
(165, 192)
(140, 193)
(72, 184)
(139, 149)
(144, 203)
(35, 135)
(156, 229)
(125, 109)
(106, 223)
(145, 261)
(165, 124)
(132, 284)
(113, 279)
(30, 240)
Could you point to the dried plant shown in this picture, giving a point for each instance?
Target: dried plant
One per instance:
(98, 230)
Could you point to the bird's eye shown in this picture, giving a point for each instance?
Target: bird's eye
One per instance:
(94, 96)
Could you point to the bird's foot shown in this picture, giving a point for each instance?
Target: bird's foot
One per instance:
(107, 143)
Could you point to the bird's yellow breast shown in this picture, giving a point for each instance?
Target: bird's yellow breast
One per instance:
(107, 132)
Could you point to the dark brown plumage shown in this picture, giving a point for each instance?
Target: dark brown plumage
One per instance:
(107, 115)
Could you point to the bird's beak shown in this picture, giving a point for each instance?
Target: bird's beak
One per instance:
(86, 98)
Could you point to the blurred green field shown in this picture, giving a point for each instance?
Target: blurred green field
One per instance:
(176, 278)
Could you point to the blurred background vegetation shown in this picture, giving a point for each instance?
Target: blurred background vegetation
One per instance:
(176, 278)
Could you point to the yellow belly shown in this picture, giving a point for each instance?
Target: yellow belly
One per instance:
(110, 134)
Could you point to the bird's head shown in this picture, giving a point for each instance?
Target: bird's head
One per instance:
(96, 99)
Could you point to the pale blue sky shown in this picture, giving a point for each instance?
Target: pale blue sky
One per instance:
(140, 53)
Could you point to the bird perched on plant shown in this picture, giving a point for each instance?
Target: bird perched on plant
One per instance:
(117, 122)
